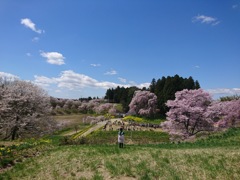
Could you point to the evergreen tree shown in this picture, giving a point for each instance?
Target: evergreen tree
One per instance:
(197, 85)
(152, 87)
(164, 88)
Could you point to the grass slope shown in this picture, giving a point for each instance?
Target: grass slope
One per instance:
(134, 137)
(216, 157)
(109, 162)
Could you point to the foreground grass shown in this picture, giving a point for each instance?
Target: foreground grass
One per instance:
(133, 162)
(215, 157)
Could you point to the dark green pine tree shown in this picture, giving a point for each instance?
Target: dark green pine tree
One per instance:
(152, 86)
(197, 85)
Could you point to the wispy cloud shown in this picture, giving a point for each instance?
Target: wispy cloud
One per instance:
(28, 54)
(122, 80)
(112, 72)
(133, 83)
(35, 39)
(29, 24)
(224, 91)
(206, 20)
(235, 6)
(196, 67)
(95, 65)
(58, 91)
(53, 57)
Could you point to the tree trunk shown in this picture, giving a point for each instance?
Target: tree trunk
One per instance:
(14, 132)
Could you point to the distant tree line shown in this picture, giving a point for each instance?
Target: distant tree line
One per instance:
(88, 98)
(164, 88)
(230, 98)
(121, 95)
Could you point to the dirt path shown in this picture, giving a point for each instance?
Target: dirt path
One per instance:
(97, 126)
(94, 128)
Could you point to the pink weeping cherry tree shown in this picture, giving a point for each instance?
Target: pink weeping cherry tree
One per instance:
(24, 110)
(232, 113)
(103, 108)
(186, 116)
(225, 114)
(143, 103)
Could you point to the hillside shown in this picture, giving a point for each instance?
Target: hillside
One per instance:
(214, 157)
(133, 162)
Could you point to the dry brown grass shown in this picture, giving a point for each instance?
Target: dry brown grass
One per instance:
(134, 162)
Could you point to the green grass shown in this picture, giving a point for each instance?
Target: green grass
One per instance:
(62, 111)
(143, 119)
(77, 135)
(73, 124)
(9, 155)
(148, 155)
(131, 137)
(139, 162)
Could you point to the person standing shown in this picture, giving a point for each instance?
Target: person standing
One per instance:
(120, 137)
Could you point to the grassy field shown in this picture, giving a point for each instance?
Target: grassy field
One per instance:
(150, 155)
(131, 162)
(143, 120)
(70, 124)
(70, 120)
(131, 137)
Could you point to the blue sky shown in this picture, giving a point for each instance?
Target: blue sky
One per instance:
(81, 48)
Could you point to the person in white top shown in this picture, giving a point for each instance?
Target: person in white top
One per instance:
(120, 137)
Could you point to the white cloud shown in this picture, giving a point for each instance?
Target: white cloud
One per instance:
(132, 83)
(8, 77)
(206, 20)
(29, 24)
(112, 72)
(197, 67)
(71, 80)
(53, 57)
(44, 81)
(58, 91)
(74, 81)
(146, 85)
(29, 54)
(224, 91)
(95, 65)
(122, 80)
